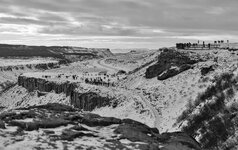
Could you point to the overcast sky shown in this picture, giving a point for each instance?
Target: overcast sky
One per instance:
(117, 23)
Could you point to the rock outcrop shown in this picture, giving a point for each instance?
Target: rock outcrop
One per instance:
(170, 63)
(56, 126)
(86, 101)
(206, 70)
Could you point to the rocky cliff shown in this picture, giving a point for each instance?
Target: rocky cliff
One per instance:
(170, 63)
(86, 101)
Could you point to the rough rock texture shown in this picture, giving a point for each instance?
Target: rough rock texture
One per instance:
(206, 70)
(55, 126)
(170, 63)
(86, 101)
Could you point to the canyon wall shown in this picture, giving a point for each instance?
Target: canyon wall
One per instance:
(42, 66)
(10, 73)
(86, 101)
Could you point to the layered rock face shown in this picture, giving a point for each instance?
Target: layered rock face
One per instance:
(86, 101)
(10, 73)
(31, 66)
(56, 126)
(170, 63)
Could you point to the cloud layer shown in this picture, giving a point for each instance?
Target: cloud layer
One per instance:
(116, 23)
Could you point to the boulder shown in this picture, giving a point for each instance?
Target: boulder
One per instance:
(96, 120)
(70, 135)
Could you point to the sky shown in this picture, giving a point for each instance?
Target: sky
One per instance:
(117, 23)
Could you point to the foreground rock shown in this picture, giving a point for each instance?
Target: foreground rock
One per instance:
(56, 126)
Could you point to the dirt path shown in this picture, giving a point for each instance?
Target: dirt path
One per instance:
(153, 110)
(100, 64)
(138, 94)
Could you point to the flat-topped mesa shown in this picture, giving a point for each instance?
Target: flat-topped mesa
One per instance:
(79, 99)
(62, 52)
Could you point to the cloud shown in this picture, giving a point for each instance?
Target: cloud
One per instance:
(156, 19)
(216, 11)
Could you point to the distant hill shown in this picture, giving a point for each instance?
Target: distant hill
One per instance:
(62, 52)
(128, 50)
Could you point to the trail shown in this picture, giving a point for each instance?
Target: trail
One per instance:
(153, 110)
(99, 64)
(132, 92)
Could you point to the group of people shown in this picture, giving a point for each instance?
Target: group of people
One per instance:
(99, 81)
(198, 45)
(192, 45)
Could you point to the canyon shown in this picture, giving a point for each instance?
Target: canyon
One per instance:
(128, 94)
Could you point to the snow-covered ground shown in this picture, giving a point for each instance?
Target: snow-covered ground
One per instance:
(168, 97)
(20, 97)
(130, 61)
(10, 69)
(27, 61)
(171, 96)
